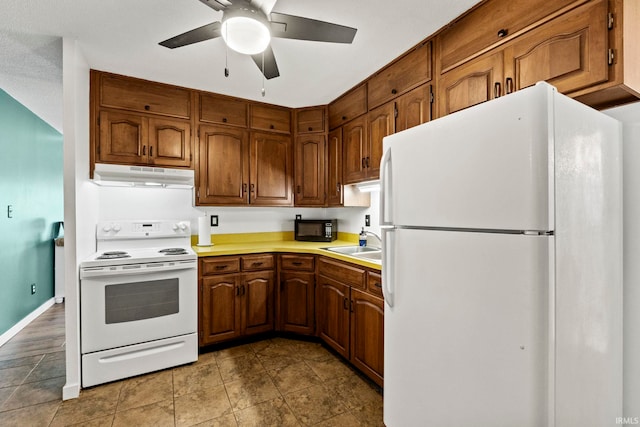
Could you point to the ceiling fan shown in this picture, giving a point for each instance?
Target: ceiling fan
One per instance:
(247, 29)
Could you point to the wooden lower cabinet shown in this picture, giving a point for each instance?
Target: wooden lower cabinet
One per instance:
(333, 314)
(367, 334)
(296, 294)
(234, 304)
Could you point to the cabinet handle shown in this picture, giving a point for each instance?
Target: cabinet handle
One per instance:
(345, 303)
(147, 107)
(237, 291)
(377, 284)
(151, 151)
(351, 306)
(344, 117)
(257, 264)
(244, 189)
(224, 120)
(253, 188)
(144, 150)
(221, 267)
(243, 290)
(508, 86)
(502, 32)
(310, 128)
(297, 263)
(298, 189)
(337, 187)
(271, 127)
(363, 163)
(497, 90)
(367, 161)
(393, 91)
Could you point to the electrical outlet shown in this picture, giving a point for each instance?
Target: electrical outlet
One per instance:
(367, 220)
(214, 220)
(33, 288)
(298, 216)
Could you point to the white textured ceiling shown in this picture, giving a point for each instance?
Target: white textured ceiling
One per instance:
(122, 37)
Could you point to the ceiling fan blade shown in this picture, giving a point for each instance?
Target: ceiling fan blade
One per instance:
(215, 4)
(270, 65)
(206, 32)
(297, 27)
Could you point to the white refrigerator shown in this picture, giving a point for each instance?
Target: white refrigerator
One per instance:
(502, 266)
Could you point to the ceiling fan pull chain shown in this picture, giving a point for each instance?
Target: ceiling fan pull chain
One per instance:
(263, 91)
(226, 58)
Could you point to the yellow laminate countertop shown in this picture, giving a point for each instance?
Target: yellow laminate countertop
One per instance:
(252, 243)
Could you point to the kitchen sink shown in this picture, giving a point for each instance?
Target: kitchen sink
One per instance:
(352, 250)
(362, 252)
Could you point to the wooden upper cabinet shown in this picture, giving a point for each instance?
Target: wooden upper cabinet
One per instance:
(349, 106)
(270, 118)
(222, 110)
(310, 155)
(144, 96)
(381, 122)
(122, 138)
(169, 142)
(334, 168)
(470, 84)
(223, 168)
(494, 22)
(569, 53)
(311, 120)
(271, 173)
(414, 108)
(354, 149)
(409, 71)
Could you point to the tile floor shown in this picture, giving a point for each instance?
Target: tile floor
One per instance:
(275, 382)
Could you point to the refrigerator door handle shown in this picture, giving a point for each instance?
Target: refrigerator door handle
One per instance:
(385, 187)
(387, 265)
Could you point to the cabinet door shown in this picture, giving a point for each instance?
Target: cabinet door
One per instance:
(381, 122)
(310, 120)
(170, 143)
(414, 108)
(333, 314)
(310, 170)
(367, 334)
(221, 309)
(569, 52)
(354, 145)
(334, 168)
(473, 83)
(123, 138)
(296, 302)
(348, 106)
(223, 166)
(271, 170)
(270, 118)
(257, 294)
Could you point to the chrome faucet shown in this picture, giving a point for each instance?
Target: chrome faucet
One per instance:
(374, 235)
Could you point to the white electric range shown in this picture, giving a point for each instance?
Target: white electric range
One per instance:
(138, 300)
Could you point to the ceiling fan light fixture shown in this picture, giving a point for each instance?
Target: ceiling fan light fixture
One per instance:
(245, 34)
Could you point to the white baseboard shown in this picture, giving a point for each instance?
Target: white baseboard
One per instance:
(24, 322)
(70, 391)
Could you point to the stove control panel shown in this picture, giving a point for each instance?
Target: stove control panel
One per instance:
(109, 230)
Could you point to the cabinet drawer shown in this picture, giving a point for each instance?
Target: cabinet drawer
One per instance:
(348, 106)
(345, 273)
(269, 118)
(218, 109)
(406, 73)
(140, 95)
(297, 262)
(216, 265)
(310, 120)
(494, 22)
(374, 283)
(257, 262)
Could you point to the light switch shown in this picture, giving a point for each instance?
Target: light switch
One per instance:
(214, 220)
(9, 211)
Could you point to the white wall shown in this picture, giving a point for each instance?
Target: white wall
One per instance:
(630, 116)
(80, 200)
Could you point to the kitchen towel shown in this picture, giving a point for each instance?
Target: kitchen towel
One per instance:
(204, 231)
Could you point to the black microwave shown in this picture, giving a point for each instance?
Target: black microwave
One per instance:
(316, 230)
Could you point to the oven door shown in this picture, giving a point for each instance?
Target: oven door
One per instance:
(137, 305)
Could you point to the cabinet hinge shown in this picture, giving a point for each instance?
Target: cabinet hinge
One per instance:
(198, 193)
(611, 56)
(198, 133)
(98, 120)
(98, 148)
(395, 112)
(191, 157)
(431, 99)
(610, 21)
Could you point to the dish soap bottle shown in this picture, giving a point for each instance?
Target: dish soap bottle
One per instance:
(363, 238)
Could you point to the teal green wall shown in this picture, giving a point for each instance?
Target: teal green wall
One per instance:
(30, 181)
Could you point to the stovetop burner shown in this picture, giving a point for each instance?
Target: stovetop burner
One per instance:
(114, 255)
(173, 251)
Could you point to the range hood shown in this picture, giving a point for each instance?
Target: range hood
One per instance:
(142, 176)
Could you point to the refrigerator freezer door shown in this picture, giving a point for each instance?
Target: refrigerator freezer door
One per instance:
(467, 339)
(488, 167)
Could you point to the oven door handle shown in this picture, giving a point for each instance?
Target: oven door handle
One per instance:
(136, 269)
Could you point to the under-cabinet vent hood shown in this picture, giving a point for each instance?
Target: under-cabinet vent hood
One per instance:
(142, 176)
